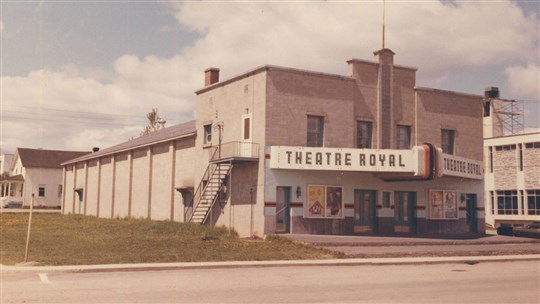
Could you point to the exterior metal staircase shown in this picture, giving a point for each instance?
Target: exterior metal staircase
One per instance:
(210, 190)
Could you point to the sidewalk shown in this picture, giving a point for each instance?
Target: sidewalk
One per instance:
(27, 210)
(260, 264)
(414, 246)
(349, 240)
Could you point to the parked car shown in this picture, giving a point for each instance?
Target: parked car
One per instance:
(505, 230)
(531, 230)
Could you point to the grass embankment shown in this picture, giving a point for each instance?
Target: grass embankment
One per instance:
(78, 240)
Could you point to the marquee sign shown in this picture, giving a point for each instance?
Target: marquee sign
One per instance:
(346, 159)
(462, 167)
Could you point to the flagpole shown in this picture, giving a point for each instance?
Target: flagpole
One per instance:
(383, 17)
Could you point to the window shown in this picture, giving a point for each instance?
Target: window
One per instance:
(246, 127)
(403, 137)
(363, 134)
(41, 191)
(533, 202)
(207, 134)
(492, 198)
(520, 148)
(532, 145)
(447, 141)
(247, 131)
(507, 202)
(315, 129)
(59, 190)
(491, 159)
(505, 148)
(522, 202)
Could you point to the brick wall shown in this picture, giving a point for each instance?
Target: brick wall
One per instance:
(505, 169)
(531, 167)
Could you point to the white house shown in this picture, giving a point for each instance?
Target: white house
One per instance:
(38, 173)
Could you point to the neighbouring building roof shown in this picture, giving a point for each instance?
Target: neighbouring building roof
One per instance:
(166, 134)
(39, 158)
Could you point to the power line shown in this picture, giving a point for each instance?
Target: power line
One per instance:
(69, 111)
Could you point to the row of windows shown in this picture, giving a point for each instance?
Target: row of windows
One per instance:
(364, 135)
(508, 202)
(513, 147)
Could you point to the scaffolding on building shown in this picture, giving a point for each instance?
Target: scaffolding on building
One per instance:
(511, 116)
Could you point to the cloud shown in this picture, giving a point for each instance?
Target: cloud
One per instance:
(66, 110)
(438, 38)
(524, 81)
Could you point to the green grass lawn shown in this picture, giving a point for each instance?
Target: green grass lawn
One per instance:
(80, 240)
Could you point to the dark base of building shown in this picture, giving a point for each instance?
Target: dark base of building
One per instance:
(384, 226)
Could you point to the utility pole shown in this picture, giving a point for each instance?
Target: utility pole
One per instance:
(29, 226)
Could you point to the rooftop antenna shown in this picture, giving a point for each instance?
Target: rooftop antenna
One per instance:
(383, 17)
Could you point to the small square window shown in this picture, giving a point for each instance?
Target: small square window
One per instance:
(41, 191)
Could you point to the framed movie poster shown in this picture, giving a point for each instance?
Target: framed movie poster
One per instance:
(324, 201)
(334, 201)
(436, 205)
(450, 205)
(443, 205)
(316, 201)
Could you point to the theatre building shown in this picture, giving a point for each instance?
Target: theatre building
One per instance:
(283, 150)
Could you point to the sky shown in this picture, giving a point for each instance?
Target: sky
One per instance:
(83, 74)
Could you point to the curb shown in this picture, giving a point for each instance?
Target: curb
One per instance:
(471, 260)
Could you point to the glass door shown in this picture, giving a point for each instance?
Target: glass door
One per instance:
(365, 211)
(283, 209)
(404, 211)
(472, 219)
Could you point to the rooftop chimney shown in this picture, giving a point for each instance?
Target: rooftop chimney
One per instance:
(491, 92)
(211, 76)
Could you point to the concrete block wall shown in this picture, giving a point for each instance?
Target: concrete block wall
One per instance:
(139, 183)
(92, 191)
(121, 185)
(292, 95)
(462, 113)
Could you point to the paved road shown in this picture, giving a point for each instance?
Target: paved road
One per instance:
(437, 250)
(485, 282)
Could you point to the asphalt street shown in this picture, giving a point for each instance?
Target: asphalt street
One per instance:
(484, 282)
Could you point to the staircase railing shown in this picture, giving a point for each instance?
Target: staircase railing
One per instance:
(200, 189)
(217, 196)
(235, 149)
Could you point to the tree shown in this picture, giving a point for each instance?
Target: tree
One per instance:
(155, 122)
